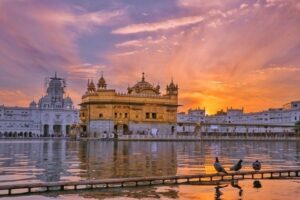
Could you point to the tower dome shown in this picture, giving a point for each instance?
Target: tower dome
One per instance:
(102, 83)
(172, 89)
(91, 88)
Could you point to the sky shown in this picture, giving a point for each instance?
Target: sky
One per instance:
(221, 53)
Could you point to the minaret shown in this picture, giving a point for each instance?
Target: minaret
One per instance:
(102, 83)
(172, 89)
(91, 88)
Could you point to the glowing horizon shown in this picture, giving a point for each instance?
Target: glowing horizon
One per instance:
(231, 53)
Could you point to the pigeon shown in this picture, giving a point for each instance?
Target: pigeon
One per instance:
(237, 166)
(218, 166)
(236, 185)
(257, 184)
(256, 165)
(218, 190)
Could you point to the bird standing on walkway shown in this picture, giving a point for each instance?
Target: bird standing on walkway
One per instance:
(218, 166)
(237, 166)
(256, 165)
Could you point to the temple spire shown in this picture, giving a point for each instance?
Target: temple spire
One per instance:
(172, 89)
(143, 77)
(102, 83)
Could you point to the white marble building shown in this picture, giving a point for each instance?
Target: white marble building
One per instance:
(51, 116)
(287, 115)
(186, 122)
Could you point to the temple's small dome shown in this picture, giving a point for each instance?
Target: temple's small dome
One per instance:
(172, 88)
(92, 85)
(68, 100)
(102, 83)
(172, 85)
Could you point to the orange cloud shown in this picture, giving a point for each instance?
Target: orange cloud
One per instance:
(16, 98)
(221, 53)
(230, 64)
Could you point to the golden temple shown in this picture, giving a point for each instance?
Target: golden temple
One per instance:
(142, 110)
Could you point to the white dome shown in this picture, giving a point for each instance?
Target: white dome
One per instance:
(68, 100)
(33, 104)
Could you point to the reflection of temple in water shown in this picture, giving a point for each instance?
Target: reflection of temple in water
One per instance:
(128, 159)
(133, 193)
(42, 160)
(54, 160)
(52, 156)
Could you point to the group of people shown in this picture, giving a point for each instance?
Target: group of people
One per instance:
(219, 168)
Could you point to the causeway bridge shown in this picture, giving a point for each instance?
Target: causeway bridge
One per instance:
(200, 179)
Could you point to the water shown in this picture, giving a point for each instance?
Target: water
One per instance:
(23, 161)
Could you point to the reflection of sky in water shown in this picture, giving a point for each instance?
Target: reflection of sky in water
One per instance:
(54, 160)
(270, 189)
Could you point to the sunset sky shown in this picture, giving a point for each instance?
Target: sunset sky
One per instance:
(221, 53)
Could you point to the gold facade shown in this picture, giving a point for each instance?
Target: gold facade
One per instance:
(141, 109)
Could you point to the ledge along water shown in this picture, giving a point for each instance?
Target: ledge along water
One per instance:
(205, 179)
(201, 138)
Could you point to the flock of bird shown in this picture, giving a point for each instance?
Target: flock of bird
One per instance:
(219, 168)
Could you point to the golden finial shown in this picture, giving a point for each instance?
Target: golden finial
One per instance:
(143, 77)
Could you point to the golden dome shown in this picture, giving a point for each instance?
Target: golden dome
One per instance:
(144, 87)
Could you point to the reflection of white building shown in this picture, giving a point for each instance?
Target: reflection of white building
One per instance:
(51, 116)
(288, 115)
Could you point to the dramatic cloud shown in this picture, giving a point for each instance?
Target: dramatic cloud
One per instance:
(225, 61)
(221, 53)
(136, 43)
(205, 3)
(80, 21)
(37, 39)
(19, 97)
(85, 71)
(163, 25)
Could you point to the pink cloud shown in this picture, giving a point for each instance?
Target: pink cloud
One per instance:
(16, 98)
(162, 25)
(235, 57)
(216, 68)
(37, 39)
